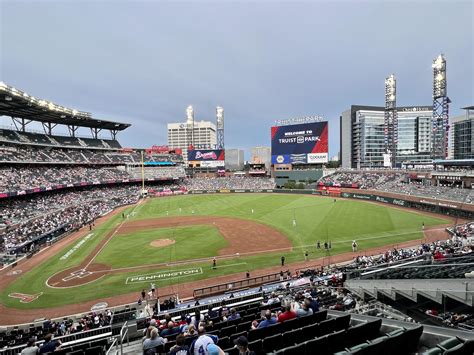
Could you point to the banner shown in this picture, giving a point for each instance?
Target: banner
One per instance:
(281, 159)
(300, 139)
(206, 155)
(314, 158)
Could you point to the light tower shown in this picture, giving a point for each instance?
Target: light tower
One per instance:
(190, 127)
(391, 119)
(220, 127)
(440, 119)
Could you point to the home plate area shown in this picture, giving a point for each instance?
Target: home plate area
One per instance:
(75, 277)
(79, 274)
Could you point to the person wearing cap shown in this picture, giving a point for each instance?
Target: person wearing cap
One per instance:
(200, 345)
(243, 345)
(31, 348)
(213, 349)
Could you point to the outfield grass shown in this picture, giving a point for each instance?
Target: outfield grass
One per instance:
(317, 218)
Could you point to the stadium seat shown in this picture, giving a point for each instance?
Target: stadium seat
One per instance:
(228, 331)
(327, 326)
(224, 343)
(236, 335)
(310, 331)
(292, 337)
(243, 326)
(343, 322)
(272, 343)
(316, 346)
(256, 346)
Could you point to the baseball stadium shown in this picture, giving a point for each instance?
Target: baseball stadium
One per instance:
(104, 240)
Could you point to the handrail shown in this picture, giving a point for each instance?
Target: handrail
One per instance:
(110, 349)
(235, 285)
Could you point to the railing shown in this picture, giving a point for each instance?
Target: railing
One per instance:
(118, 341)
(235, 285)
(67, 340)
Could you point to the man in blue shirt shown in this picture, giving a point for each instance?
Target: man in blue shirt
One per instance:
(267, 321)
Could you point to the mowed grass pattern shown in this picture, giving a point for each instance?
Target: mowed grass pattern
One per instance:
(317, 218)
(188, 245)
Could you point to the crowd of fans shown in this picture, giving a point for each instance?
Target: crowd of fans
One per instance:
(362, 179)
(32, 154)
(435, 250)
(397, 182)
(17, 178)
(229, 183)
(465, 230)
(27, 219)
(51, 329)
(422, 190)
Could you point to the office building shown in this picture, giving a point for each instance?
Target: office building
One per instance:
(204, 136)
(463, 133)
(362, 136)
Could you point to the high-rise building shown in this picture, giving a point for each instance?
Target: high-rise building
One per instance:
(463, 134)
(362, 136)
(203, 136)
(234, 159)
(262, 155)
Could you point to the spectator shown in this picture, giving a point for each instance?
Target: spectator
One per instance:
(180, 348)
(243, 346)
(152, 342)
(266, 322)
(288, 314)
(200, 345)
(50, 345)
(31, 348)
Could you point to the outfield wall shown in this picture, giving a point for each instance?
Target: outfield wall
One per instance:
(451, 208)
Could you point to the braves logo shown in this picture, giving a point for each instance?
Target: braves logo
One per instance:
(209, 155)
(24, 297)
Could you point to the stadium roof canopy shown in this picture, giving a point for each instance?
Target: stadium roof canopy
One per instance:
(468, 108)
(19, 105)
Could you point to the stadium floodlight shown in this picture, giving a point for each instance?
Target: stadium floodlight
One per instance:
(3, 86)
(8, 98)
(74, 112)
(51, 106)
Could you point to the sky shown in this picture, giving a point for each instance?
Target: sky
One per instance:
(144, 62)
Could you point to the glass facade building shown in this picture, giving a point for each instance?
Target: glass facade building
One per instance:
(463, 132)
(362, 136)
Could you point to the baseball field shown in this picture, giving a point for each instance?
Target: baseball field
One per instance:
(171, 240)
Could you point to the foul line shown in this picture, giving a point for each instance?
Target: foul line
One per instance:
(219, 267)
(113, 234)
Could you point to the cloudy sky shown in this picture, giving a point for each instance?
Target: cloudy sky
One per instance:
(143, 62)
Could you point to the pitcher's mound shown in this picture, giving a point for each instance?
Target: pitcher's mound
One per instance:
(160, 243)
